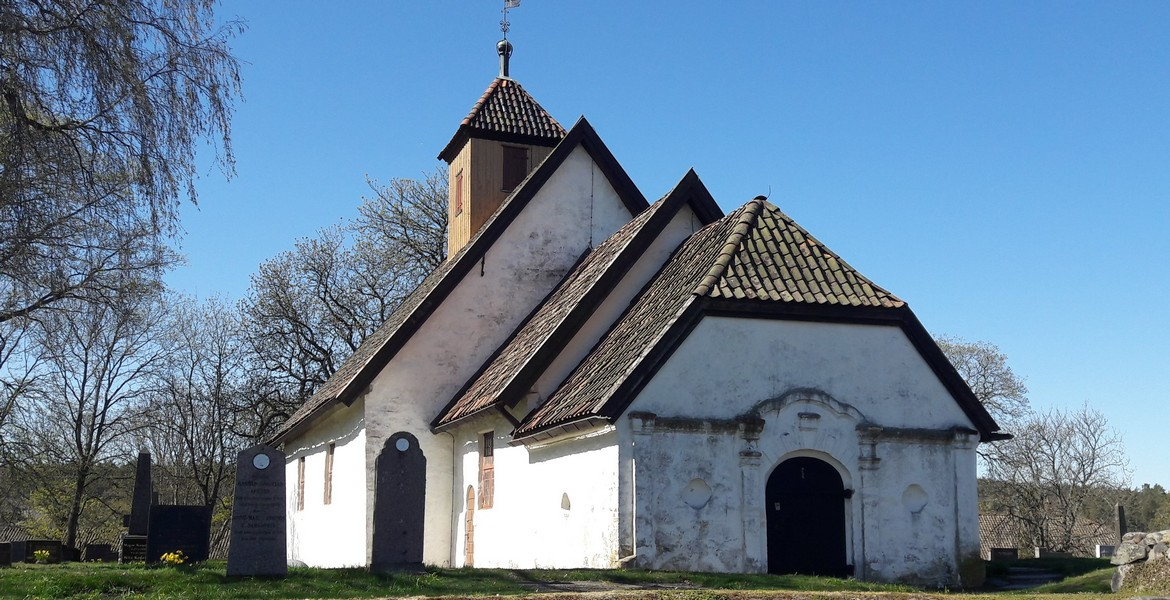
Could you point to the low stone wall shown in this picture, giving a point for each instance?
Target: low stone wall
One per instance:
(1137, 548)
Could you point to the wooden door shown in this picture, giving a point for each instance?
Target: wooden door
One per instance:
(805, 501)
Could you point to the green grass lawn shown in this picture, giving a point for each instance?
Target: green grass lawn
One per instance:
(107, 581)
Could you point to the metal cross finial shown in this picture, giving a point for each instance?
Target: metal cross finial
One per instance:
(504, 23)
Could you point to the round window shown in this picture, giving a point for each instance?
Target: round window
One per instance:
(402, 444)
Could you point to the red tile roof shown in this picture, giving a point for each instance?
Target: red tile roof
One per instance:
(506, 112)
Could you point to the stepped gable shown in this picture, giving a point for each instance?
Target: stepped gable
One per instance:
(375, 351)
(511, 372)
(508, 113)
(756, 258)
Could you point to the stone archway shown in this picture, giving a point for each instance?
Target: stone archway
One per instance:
(399, 504)
(805, 503)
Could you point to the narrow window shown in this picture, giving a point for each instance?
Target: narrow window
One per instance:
(301, 483)
(459, 193)
(515, 166)
(487, 470)
(329, 473)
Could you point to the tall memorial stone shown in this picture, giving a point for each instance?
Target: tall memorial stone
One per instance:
(399, 505)
(138, 522)
(259, 539)
(5, 554)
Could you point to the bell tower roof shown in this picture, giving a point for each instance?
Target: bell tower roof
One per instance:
(506, 113)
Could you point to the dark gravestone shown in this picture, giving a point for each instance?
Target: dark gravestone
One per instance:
(19, 551)
(1119, 523)
(29, 548)
(98, 553)
(5, 554)
(177, 527)
(1005, 553)
(70, 554)
(258, 540)
(399, 504)
(139, 523)
(133, 549)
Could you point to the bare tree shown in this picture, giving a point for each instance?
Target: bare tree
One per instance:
(1055, 466)
(308, 309)
(407, 221)
(992, 380)
(98, 360)
(102, 105)
(193, 406)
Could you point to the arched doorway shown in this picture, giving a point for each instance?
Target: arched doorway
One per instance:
(469, 529)
(805, 501)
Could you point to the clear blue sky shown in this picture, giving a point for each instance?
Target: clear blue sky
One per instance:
(1002, 166)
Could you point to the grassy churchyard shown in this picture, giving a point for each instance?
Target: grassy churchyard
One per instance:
(92, 580)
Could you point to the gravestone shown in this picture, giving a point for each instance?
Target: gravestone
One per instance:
(1119, 523)
(1005, 553)
(98, 553)
(259, 539)
(25, 551)
(133, 549)
(399, 504)
(5, 554)
(139, 522)
(179, 527)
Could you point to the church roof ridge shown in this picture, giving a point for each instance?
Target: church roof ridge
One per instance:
(506, 112)
(523, 357)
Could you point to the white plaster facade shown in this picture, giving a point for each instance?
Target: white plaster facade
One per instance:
(859, 397)
(328, 535)
(676, 478)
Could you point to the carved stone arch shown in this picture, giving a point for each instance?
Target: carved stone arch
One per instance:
(807, 395)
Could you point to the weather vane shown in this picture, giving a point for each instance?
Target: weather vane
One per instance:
(504, 24)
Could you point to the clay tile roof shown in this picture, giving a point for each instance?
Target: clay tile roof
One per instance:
(508, 113)
(754, 253)
(773, 258)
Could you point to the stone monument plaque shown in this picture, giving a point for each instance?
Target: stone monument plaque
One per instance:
(258, 542)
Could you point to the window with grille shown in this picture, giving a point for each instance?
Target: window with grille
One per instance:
(487, 470)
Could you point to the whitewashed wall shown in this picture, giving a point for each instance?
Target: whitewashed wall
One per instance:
(576, 208)
(528, 526)
(848, 375)
(330, 535)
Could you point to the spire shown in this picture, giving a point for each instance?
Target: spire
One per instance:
(504, 49)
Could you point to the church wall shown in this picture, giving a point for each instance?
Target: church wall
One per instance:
(701, 468)
(330, 535)
(575, 208)
(554, 506)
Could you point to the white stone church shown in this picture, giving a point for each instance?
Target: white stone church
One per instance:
(594, 380)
